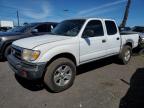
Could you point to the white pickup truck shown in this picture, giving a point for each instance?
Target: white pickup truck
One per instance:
(55, 56)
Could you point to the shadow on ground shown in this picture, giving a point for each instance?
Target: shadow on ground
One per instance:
(134, 97)
(38, 84)
(138, 52)
(2, 60)
(96, 64)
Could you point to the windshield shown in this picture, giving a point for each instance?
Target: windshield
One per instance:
(22, 28)
(68, 28)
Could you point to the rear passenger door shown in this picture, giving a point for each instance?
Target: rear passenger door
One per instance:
(94, 45)
(113, 37)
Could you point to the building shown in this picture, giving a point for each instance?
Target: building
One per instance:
(6, 25)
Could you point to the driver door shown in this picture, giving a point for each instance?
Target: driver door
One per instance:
(93, 45)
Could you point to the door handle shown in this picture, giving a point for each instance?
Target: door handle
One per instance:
(103, 41)
(118, 38)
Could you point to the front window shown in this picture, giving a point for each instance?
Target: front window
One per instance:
(95, 29)
(68, 28)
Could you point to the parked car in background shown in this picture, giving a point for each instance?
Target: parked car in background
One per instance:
(54, 57)
(32, 29)
(140, 31)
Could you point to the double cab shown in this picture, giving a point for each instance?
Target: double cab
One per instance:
(55, 56)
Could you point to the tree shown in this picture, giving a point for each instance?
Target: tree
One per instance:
(124, 21)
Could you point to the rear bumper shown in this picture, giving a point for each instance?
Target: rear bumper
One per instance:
(26, 70)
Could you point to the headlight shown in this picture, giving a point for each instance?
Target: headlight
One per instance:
(30, 55)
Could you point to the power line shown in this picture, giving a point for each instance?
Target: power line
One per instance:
(2, 13)
(4, 6)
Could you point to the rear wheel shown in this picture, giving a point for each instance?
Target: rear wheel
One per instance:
(126, 54)
(60, 74)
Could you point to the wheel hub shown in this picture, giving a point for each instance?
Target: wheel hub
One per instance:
(62, 75)
(127, 55)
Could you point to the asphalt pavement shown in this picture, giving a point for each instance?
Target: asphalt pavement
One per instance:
(101, 84)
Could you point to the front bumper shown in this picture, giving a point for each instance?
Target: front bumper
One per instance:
(26, 70)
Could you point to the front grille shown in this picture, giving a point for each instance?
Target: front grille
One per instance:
(17, 52)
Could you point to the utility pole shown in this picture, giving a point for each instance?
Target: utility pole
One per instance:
(124, 21)
(18, 18)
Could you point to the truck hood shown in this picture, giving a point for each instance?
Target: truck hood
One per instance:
(32, 42)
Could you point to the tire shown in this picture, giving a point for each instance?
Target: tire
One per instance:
(125, 54)
(7, 51)
(56, 78)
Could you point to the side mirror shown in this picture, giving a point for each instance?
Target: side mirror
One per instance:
(52, 27)
(88, 33)
(34, 31)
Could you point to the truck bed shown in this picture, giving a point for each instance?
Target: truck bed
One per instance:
(130, 36)
(127, 32)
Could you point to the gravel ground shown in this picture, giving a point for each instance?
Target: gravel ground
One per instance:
(101, 84)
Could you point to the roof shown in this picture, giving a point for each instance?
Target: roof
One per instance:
(90, 18)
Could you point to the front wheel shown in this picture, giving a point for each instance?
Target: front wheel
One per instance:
(60, 75)
(126, 54)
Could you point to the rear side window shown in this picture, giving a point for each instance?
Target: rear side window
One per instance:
(111, 27)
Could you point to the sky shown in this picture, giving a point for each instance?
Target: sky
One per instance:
(58, 10)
